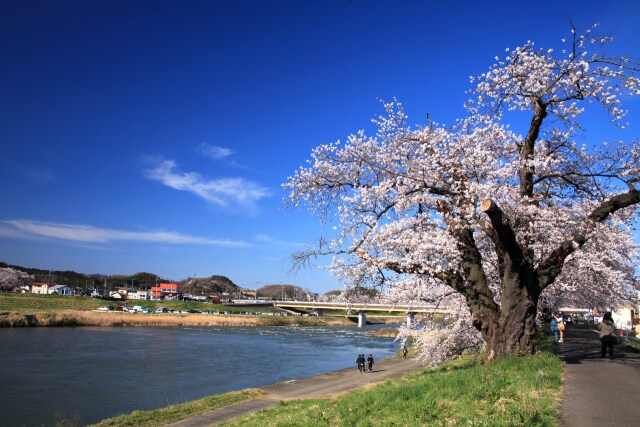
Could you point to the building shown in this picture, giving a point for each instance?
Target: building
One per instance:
(23, 289)
(61, 290)
(140, 295)
(41, 288)
(168, 291)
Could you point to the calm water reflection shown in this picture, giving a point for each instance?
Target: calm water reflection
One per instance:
(95, 373)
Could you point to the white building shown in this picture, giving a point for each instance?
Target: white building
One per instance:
(61, 290)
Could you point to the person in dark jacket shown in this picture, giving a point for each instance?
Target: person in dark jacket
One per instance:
(360, 362)
(370, 362)
(607, 335)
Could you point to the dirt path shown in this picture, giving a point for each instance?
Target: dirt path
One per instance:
(323, 385)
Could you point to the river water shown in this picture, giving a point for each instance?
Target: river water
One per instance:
(95, 373)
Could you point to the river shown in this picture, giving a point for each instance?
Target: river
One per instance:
(95, 373)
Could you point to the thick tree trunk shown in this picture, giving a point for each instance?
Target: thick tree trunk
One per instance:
(511, 328)
(513, 332)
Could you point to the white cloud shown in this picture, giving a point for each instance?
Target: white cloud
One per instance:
(264, 238)
(213, 151)
(222, 192)
(86, 233)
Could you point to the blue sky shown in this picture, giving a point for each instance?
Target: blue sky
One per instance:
(155, 135)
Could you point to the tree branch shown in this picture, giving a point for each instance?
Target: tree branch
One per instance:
(550, 268)
(528, 146)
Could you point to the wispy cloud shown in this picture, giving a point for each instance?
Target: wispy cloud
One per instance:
(85, 233)
(266, 239)
(213, 151)
(222, 192)
(39, 176)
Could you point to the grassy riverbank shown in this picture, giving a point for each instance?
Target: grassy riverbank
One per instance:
(27, 310)
(108, 319)
(174, 413)
(512, 391)
(30, 303)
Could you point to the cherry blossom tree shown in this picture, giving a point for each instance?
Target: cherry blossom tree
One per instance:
(478, 218)
(11, 278)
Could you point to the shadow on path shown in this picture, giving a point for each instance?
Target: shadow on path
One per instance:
(598, 391)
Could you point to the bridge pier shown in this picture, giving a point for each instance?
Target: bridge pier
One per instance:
(410, 319)
(362, 319)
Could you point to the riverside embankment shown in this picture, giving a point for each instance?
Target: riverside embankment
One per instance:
(28, 310)
(107, 319)
(113, 319)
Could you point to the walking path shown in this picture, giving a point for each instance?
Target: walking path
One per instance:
(597, 391)
(320, 386)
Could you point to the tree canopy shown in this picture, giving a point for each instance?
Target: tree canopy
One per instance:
(480, 218)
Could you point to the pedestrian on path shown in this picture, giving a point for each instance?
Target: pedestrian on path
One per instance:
(360, 362)
(553, 328)
(561, 327)
(370, 362)
(404, 351)
(607, 335)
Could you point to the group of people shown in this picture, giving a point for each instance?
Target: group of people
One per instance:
(607, 332)
(360, 361)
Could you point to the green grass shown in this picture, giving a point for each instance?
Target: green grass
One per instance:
(32, 302)
(29, 303)
(179, 412)
(515, 391)
(632, 344)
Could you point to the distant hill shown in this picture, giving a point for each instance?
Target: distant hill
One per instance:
(197, 286)
(89, 281)
(210, 285)
(281, 290)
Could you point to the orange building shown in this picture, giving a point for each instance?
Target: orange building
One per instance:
(164, 291)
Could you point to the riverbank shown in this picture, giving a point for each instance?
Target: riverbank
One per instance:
(115, 319)
(31, 310)
(511, 391)
(325, 385)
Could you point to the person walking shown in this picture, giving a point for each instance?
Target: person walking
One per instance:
(370, 362)
(553, 328)
(607, 335)
(561, 327)
(404, 351)
(360, 362)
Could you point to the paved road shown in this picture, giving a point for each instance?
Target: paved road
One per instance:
(319, 386)
(598, 392)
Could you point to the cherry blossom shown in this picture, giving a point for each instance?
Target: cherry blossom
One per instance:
(479, 220)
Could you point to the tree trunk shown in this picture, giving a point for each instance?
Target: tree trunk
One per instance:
(511, 333)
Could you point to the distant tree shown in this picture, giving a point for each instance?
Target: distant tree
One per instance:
(10, 278)
(480, 218)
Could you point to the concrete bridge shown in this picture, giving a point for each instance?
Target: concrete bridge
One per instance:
(361, 308)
